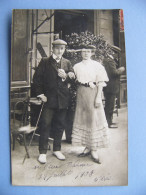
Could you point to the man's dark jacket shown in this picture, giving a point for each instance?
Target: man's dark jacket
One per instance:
(47, 82)
(113, 75)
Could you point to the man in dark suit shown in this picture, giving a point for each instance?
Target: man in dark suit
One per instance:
(51, 84)
(113, 86)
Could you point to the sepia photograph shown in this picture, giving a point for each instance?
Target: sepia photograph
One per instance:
(68, 98)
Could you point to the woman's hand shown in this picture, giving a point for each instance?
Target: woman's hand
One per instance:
(97, 105)
(97, 102)
(71, 75)
(92, 85)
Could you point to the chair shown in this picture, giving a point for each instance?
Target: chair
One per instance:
(22, 127)
(20, 124)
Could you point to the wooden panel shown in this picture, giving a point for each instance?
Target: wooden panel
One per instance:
(19, 53)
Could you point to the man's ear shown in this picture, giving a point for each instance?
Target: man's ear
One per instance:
(64, 50)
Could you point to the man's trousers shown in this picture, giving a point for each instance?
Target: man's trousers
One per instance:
(109, 106)
(49, 115)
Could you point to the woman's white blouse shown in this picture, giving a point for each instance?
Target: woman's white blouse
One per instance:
(91, 71)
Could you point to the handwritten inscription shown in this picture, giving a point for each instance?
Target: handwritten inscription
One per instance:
(102, 178)
(75, 170)
(59, 175)
(85, 174)
(92, 174)
(68, 164)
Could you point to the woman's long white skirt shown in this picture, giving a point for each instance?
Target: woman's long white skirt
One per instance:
(90, 127)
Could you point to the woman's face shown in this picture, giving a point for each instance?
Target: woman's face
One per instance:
(86, 54)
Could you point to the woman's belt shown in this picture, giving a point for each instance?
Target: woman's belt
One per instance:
(85, 84)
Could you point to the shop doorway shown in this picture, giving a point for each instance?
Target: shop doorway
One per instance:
(70, 21)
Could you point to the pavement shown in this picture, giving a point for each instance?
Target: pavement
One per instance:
(76, 171)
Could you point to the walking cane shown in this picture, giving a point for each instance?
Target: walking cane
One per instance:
(34, 131)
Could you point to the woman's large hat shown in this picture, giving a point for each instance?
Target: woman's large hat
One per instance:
(83, 46)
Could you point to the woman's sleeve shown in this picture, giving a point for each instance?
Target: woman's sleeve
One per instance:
(101, 77)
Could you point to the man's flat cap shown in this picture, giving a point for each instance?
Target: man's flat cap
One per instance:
(59, 42)
(115, 48)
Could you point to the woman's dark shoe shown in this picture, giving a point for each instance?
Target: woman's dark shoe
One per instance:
(86, 152)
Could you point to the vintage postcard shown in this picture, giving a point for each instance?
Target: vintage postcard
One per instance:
(69, 124)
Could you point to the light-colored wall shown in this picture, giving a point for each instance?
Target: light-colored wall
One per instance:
(48, 26)
(103, 24)
(45, 39)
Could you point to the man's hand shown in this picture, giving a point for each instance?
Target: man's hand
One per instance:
(71, 75)
(42, 97)
(61, 73)
(121, 69)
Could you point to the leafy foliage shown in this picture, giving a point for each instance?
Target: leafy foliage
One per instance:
(75, 41)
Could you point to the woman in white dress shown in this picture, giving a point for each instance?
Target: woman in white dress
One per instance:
(90, 128)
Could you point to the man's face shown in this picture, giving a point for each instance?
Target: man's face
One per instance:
(86, 54)
(58, 50)
(115, 55)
